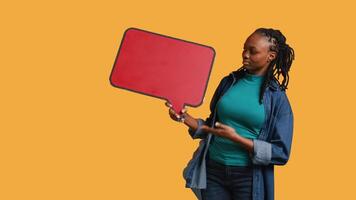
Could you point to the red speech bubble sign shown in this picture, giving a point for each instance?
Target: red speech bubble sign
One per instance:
(163, 67)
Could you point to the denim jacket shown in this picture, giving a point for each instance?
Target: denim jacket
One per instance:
(272, 147)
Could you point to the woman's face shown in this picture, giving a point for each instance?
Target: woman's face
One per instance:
(256, 54)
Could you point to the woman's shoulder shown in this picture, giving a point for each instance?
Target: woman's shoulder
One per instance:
(280, 97)
(224, 80)
(282, 101)
(278, 92)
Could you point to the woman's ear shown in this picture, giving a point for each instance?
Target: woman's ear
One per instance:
(272, 55)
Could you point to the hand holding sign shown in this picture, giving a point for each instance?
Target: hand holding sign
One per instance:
(176, 117)
(163, 67)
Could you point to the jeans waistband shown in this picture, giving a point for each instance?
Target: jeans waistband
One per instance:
(216, 165)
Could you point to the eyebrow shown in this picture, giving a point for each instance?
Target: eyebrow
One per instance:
(251, 46)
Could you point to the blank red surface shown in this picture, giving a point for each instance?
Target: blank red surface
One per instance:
(163, 67)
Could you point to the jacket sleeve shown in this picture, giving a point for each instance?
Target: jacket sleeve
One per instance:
(277, 150)
(198, 133)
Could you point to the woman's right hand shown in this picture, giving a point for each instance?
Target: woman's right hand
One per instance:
(176, 117)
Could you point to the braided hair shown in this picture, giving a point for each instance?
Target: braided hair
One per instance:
(281, 64)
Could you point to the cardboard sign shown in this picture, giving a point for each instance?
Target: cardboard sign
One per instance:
(163, 67)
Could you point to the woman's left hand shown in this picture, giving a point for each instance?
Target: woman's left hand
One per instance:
(220, 130)
(229, 133)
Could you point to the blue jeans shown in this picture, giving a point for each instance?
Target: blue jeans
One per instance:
(227, 182)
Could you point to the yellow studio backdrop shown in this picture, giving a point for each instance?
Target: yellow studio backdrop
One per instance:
(66, 133)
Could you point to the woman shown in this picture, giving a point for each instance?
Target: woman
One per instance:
(250, 127)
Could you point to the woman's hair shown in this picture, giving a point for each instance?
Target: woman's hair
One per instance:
(282, 63)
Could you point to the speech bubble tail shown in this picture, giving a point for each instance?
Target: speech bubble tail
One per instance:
(177, 106)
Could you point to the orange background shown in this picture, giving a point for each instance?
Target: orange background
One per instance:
(66, 133)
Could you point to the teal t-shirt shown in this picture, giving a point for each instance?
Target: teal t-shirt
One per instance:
(239, 108)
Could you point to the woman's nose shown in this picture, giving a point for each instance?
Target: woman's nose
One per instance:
(245, 54)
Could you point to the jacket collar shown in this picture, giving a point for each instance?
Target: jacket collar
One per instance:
(273, 84)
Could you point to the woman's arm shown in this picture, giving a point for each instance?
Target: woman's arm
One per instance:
(245, 142)
(190, 121)
(195, 124)
(228, 132)
(276, 150)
